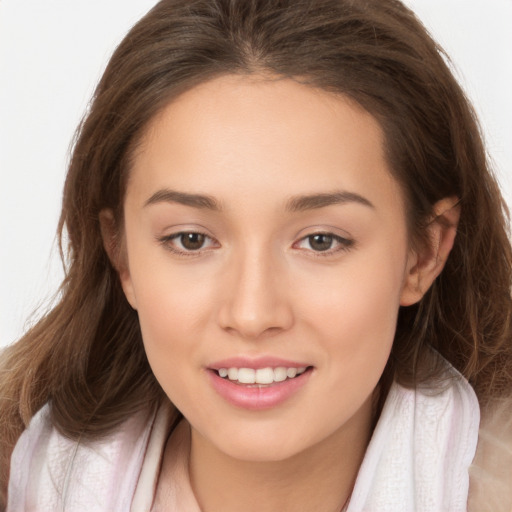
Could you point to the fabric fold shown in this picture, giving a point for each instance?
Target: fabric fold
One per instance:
(420, 451)
(416, 461)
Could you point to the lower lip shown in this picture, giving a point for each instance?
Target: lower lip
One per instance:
(257, 397)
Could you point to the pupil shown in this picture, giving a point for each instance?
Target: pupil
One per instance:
(192, 241)
(320, 242)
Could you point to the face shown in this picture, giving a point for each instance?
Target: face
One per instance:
(265, 239)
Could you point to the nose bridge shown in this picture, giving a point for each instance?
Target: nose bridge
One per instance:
(256, 301)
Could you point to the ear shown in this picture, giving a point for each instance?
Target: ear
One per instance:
(426, 263)
(116, 251)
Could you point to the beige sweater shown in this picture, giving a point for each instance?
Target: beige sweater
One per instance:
(491, 472)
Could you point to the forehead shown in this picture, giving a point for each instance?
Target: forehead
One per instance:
(233, 135)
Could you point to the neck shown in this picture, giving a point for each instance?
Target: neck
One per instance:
(319, 478)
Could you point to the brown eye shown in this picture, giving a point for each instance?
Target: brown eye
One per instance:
(320, 242)
(192, 241)
(324, 244)
(189, 243)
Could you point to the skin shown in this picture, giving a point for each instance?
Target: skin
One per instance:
(259, 285)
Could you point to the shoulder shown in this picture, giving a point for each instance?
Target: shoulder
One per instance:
(491, 471)
(28, 457)
(421, 448)
(50, 471)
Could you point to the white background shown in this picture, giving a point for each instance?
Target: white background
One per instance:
(52, 53)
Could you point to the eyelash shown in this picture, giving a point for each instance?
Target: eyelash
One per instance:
(167, 241)
(344, 244)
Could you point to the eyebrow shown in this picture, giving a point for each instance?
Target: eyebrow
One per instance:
(193, 200)
(314, 201)
(294, 204)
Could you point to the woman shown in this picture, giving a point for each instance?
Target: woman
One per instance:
(281, 221)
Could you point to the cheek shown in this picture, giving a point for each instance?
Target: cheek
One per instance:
(172, 306)
(361, 292)
(355, 312)
(170, 321)
(171, 310)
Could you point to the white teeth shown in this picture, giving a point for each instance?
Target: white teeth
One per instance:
(281, 373)
(264, 376)
(246, 375)
(291, 372)
(261, 375)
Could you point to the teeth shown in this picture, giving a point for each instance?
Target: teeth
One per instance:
(291, 372)
(261, 375)
(246, 375)
(264, 376)
(281, 373)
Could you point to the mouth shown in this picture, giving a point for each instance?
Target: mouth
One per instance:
(261, 376)
(266, 385)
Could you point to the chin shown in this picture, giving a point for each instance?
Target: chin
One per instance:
(259, 442)
(260, 451)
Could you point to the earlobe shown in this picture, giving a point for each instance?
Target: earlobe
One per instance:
(114, 247)
(425, 264)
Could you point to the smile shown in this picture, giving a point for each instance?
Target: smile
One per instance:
(264, 387)
(261, 375)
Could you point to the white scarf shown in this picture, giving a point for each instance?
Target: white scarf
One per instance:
(420, 452)
(417, 460)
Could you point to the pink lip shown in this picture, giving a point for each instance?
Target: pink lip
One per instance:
(256, 397)
(256, 363)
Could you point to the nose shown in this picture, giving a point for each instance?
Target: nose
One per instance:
(255, 297)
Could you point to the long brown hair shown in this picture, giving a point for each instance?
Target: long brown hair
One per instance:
(86, 356)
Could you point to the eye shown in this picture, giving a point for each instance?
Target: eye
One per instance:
(188, 242)
(191, 241)
(324, 243)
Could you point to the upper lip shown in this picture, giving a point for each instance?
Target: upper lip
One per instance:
(256, 363)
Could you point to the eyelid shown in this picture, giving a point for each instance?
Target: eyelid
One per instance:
(345, 241)
(166, 240)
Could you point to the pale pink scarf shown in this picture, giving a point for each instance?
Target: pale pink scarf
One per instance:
(417, 460)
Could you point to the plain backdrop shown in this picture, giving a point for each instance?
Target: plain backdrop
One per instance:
(52, 53)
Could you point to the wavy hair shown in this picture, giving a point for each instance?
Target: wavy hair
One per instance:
(86, 357)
